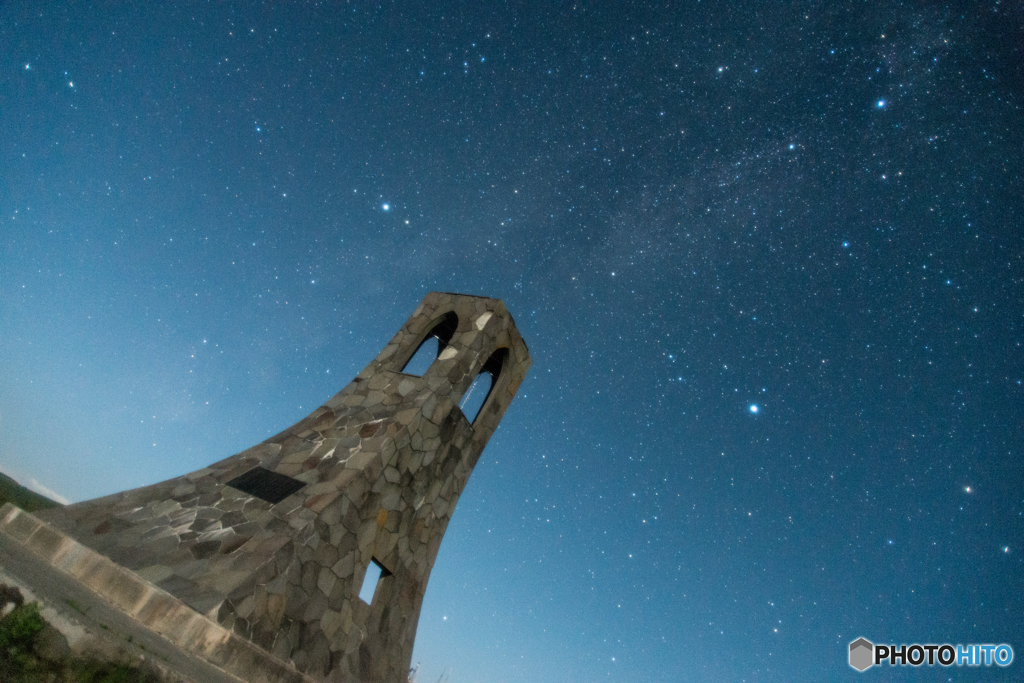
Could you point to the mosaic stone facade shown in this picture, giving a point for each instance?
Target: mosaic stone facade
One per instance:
(381, 467)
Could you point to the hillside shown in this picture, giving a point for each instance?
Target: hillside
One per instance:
(29, 501)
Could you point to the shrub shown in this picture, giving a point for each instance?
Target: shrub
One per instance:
(18, 628)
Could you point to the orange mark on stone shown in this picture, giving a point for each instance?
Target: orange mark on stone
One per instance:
(369, 430)
(382, 519)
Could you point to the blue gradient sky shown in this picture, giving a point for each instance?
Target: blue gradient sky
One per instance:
(688, 210)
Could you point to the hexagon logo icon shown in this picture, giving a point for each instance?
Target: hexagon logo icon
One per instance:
(862, 654)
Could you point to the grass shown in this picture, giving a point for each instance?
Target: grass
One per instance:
(29, 501)
(24, 660)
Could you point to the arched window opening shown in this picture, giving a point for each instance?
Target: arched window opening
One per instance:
(423, 358)
(432, 345)
(480, 390)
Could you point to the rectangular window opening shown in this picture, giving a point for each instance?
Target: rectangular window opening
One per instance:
(374, 573)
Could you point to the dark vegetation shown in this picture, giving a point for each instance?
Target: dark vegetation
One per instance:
(32, 651)
(29, 501)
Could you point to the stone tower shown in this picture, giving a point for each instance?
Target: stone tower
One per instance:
(272, 545)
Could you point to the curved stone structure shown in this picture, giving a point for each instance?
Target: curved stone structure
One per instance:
(274, 542)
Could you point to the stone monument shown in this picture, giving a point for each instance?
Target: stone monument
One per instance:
(254, 564)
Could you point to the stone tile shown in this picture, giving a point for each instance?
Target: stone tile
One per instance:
(326, 580)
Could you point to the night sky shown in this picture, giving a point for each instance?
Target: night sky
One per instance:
(768, 259)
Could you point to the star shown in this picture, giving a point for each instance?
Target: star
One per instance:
(386, 207)
(754, 408)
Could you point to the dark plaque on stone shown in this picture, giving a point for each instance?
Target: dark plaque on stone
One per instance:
(266, 485)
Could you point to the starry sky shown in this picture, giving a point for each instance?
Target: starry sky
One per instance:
(768, 259)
